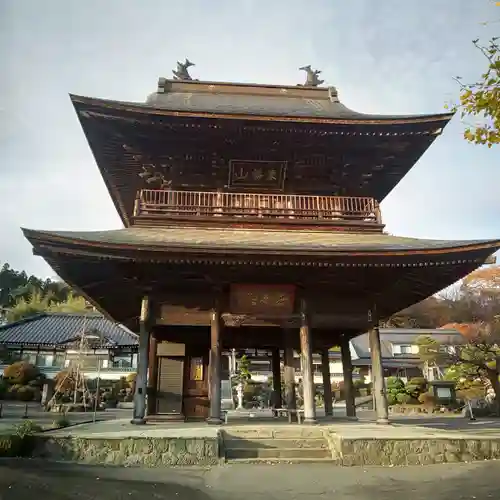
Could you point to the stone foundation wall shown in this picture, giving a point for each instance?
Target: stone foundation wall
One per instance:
(412, 451)
(149, 452)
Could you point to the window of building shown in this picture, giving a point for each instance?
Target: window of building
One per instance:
(45, 360)
(402, 349)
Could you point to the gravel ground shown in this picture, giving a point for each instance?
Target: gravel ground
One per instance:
(20, 479)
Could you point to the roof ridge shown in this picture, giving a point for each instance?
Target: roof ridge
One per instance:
(40, 315)
(74, 313)
(26, 319)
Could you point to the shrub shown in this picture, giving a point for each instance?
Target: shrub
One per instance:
(395, 388)
(3, 388)
(391, 399)
(427, 399)
(131, 378)
(20, 372)
(395, 383)
(403, 398)
(65, 381)
(12, 391)
(61, 422)
(416, 386)
(25, 393)
(27, 428)
(39, 381)
(121, 384)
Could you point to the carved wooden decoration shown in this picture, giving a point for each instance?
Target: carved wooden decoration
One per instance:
(272, 300)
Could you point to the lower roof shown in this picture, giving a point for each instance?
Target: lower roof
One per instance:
(113, 269)
(57, 329)
(217, 240)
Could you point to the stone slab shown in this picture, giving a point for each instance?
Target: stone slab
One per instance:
(120, 443)
(122, 428)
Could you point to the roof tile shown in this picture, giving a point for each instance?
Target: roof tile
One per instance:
(52, 329)
(259, 239)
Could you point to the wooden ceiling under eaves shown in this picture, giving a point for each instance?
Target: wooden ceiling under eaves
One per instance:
(116, 287)
(186, 151)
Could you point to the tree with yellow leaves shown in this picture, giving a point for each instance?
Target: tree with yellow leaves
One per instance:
(480, 101)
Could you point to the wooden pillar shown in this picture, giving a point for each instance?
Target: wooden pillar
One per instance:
(289, 373)
(378, 374)
(152, 375)
(345, 351)
(327, 381)
(276, 367)
(215, 365)
(306, 363)
(142, 363)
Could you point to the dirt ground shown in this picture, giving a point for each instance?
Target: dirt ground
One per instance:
(29, 479)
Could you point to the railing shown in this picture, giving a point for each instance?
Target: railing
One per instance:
(276, 206)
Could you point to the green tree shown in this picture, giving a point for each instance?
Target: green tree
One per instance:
(480, 101)
(38, 303)
(17, 285)
(430, 353)
(242, 374)
(473, 309)
(480, 358)
(24, 308)
(73, 303)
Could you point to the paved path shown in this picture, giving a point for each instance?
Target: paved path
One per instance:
(32, 479)
(12, 414)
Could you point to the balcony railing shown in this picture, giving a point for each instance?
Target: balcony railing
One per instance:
(251, 205)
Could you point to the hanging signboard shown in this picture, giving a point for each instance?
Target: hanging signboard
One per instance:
(269, 300)
(257, 174)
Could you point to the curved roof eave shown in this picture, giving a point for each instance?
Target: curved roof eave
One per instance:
(337, 113)
(251, 242)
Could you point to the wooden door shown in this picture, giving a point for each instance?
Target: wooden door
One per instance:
(196, 400)
(169, 385)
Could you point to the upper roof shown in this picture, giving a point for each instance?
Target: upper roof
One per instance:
(217, 240)
(188, 133)
(57, 329)
(280, 101)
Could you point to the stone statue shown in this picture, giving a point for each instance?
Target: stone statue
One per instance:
(312, 79)
(239, 395)
(181, 73)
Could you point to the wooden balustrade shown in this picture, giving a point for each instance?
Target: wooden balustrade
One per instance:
(151, 202)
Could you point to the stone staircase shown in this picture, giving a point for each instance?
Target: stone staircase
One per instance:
(266, 444)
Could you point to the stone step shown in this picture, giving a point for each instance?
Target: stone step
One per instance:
(294, 432)
(277, 453)
(290, 443)
(271, 461)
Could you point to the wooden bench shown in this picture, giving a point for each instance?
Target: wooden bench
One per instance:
(286, 412)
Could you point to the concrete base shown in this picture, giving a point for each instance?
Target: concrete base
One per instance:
(119, 442)
(382, 421)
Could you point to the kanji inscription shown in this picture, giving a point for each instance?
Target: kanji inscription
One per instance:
(257, 174)
(262, 299)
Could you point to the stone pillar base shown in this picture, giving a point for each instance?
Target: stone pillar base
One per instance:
(310, 421)
(382, 421)
(138, 421)
(214, 421)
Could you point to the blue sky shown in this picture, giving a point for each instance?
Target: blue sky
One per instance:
(386, 56)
